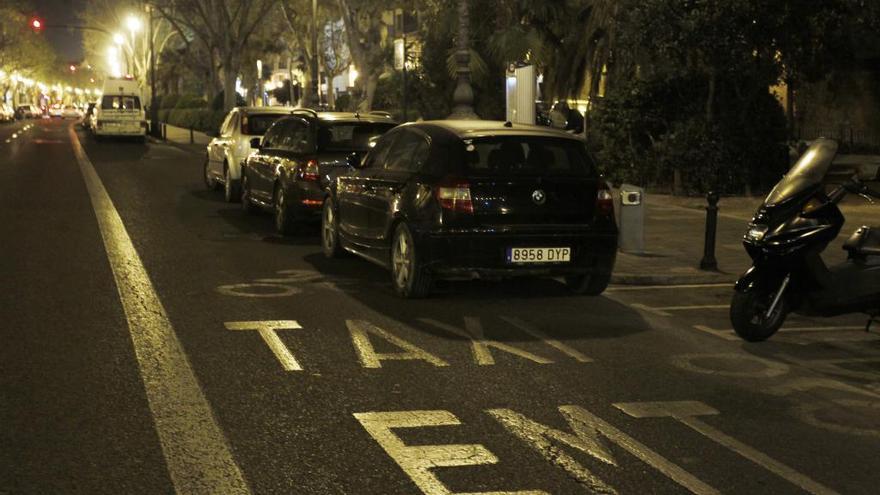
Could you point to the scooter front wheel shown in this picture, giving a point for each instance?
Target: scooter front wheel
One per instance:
(748, 313)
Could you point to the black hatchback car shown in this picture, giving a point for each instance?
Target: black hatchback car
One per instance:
(466, 199)
(292, 165)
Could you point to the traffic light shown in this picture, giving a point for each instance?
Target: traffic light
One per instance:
(36, 24)
(72, 68)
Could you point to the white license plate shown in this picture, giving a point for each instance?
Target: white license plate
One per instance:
(538, 255)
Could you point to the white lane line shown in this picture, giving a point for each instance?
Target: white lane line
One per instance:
(196, 451)
(627, 288)
(729, 334)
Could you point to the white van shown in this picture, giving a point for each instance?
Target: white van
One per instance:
(119, 112)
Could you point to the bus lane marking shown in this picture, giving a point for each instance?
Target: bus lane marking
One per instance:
(196, 451)
(586, 435)
(268, 331)
(554, 343)
(369, 358)
(418, 461)
(687, 412)
(480, 345)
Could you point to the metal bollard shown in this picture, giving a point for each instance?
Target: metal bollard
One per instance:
(164, 132)
(709, 262)
(191, 136)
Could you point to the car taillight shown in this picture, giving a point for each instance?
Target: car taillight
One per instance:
(310, 172)
(455, 196)
(604, 200)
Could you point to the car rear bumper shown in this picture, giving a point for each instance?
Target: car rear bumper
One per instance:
(484, 254)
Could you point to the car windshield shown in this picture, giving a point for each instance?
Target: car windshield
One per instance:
(257, 125)
(349, 136)
(809, 171)
(526, 155)
(111, 102)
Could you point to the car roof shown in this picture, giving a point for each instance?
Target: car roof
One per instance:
(265, 110)
(469, 129)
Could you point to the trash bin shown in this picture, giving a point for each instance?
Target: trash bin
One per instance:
(632, 219)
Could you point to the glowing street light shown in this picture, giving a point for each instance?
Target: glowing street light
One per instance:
(133, 24)
(118, 39)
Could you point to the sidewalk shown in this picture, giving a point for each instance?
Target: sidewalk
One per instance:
(180, 137)
(674, 238)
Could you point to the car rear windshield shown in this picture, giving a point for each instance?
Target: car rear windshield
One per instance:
(349, 136)
(257, 125)
(526, 155)
(111, 102)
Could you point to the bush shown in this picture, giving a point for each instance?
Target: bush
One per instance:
(191, 101)
(198, 119)
(645, 131)
(217, 103)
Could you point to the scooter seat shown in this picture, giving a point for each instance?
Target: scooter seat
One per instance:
(864, 242)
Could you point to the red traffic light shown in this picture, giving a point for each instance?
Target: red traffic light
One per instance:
(36, 24)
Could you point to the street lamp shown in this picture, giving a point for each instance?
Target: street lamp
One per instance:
(463, 98)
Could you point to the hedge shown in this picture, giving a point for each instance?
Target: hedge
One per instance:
(198, 119)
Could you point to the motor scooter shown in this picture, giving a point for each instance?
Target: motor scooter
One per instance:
(786, 237)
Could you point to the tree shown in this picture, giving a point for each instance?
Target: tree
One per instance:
(366, 28)
(568, 40)
(23, 52)
(112, 16)
(223, 28)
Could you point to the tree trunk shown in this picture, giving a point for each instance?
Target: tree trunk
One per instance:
(710, 98)
(230, 71)
(331, 94)
(789, 106)
(371, 82)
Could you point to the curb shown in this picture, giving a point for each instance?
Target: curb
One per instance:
(180, 146)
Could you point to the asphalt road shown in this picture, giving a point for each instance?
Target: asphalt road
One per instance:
(157, 339)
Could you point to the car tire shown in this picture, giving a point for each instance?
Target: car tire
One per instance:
(246, 205)
(210, 183)
(592, 284)
(408, 276)
(746, 315)
(230, 187)
(330, 230)
(284, 221)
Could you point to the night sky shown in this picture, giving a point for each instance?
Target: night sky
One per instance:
(66, 42)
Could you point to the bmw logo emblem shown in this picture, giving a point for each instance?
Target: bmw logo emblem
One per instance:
(539, 197)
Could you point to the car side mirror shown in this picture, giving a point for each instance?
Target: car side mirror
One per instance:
(256, 143)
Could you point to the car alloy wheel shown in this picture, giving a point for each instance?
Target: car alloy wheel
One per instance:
(409, 278)
(229, 192)
(329, 231)
(283, 221)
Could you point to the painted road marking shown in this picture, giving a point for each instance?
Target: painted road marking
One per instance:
(627, 288)
(686, 413)
(418, 461)
(556, 344)
(367, 354)
(730, 334)
(748, 366)
(587, 430)
(665, 310)
(268, 330)
(473, 331)
(258, 290)
(196, 451)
